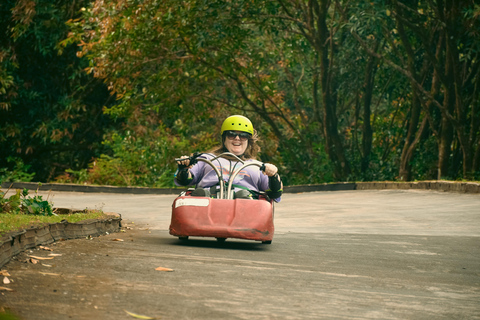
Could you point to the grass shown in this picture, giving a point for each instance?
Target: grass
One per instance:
(12, 222)
(21, 211)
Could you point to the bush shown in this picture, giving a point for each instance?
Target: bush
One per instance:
(18, 172)
(144, 159)
(22, 203)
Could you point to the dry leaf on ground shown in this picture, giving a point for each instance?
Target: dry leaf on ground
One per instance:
(45, 248)
(34, 261)
(41, 258)
(117, 240)
(55, 255)
(6, 280)
(49, 274)
(164, 269)
(5, 289)
(4, 273)
(139, 316)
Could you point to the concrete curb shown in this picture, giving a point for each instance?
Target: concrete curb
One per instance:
(345, 186)
(65, 187)
(446, 186)
(16, 242)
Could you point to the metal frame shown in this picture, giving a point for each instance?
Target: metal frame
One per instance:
(232, 176)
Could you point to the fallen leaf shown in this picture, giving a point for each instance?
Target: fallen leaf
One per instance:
(34, 261)
(164, 269)
(6, 280)
(5, 289)
(45, 248)
(49, 274)
(117, 240)
(41, 258)
(55, 255)
(4, 273)
(138, 316)
(46, 265)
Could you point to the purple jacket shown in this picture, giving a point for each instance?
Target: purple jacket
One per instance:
(250, 177)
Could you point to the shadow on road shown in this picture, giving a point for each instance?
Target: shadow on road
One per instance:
(229, 244)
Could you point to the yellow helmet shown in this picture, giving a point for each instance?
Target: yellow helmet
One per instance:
(237, 123)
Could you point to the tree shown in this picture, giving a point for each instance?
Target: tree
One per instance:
(264, 58)
(361, 81)
(50, 110)
(435, 46)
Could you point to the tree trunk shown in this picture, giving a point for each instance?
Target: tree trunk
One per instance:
(405, 166)
(476, 158)
(367, 136)
(406, 157)
(334, 145)
(446, 133)
(453, 16)
(446, 127)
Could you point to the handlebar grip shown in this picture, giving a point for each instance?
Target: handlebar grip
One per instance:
(192, 159)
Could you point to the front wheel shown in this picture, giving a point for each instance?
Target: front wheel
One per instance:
(221, 240)
(267, 242)
(183, 238)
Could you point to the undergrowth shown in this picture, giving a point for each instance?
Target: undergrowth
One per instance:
(22, 203)
(21, 211)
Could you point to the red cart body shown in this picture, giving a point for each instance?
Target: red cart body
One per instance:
(222, 218)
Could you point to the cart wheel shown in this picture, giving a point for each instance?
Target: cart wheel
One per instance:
(183, 238)
(267, 242)
(221, 240)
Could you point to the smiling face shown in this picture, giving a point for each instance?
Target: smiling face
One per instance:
(235, 144)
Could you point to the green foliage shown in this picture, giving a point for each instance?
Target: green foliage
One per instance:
(8, 315)
(73, 176)
(22, 203)
(426, 160)
(35, 205)
(300, 167)
(12, 204)
(337, 90)
(19, 171)
(50, 111)
(221, 58)
(145, 160)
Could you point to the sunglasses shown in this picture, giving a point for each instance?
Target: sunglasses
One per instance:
(231, 135)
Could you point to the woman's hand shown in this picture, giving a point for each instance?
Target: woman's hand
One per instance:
(184, 161)
(270, 169)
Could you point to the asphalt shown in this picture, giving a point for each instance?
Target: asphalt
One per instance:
(375, 254)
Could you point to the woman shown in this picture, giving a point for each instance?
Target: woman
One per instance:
(239, 138)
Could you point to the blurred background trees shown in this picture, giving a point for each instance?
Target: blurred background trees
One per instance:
(110, 91)
(51, 115)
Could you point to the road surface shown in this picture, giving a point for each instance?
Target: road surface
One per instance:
(335, 255)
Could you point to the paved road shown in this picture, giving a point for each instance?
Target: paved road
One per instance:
(335, 255)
